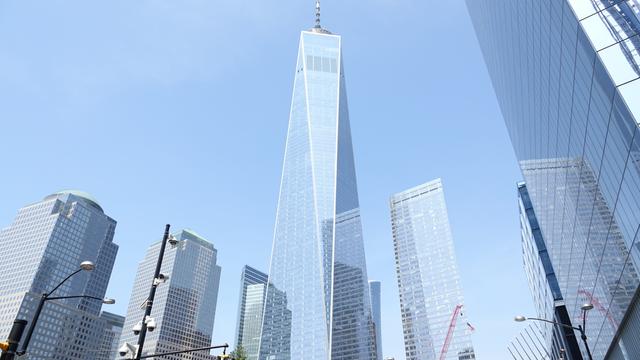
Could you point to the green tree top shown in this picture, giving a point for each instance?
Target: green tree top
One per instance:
(239, 353)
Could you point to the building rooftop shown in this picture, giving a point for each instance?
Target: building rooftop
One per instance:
(78, 193)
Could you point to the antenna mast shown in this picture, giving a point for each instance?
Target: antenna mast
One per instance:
(318, 15)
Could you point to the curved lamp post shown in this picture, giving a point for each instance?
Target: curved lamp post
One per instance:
(84, 266)
(580, 328)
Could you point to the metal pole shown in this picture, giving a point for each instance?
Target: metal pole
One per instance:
(583, 336)
(152, 293)
(225, 346)
(14, 339)
(36, 315)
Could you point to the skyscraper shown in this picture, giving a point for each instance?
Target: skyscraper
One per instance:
(317, 304)
(46, 242)
(112, 329)
(431, 301)
(185, 304)
(566, 77)
(374, 294)
(555, 341)
(252, 291)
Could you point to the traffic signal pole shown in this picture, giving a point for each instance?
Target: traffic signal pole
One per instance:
(10, 346)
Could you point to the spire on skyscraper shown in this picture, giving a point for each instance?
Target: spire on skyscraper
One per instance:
(318, 15)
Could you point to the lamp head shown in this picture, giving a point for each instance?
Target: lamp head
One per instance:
(109, 301)
(87, 265)
(520, 318)
(586, 307)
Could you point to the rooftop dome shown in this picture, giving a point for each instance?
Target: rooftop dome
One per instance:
(79, 193)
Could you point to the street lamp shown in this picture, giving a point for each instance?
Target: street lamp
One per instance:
(84, 266)
(580, 328)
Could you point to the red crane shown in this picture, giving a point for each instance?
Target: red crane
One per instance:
(594, 300)
(452, 326)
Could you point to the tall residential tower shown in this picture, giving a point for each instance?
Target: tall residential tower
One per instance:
(431, 301)
(185, 304)
(566, 76)
(47, 241)
(317, 304)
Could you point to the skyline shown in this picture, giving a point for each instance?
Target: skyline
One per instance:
(154, 203)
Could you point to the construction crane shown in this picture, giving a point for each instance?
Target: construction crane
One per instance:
(594, 300)
(452, 326)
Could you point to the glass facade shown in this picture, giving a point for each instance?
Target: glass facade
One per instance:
(112, 329)
(374, 294)
(250, 310)
(428, 281)
(565, 74)
(317, 304)
(47, 241)
(254, 307)
(185, 305)
(556, 341)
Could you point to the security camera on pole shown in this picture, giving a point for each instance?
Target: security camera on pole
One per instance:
(147, 322)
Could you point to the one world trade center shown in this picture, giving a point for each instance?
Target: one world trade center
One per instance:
(317, 304)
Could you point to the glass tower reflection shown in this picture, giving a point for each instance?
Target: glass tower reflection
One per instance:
(566, 77)
(554, 341)
(317, 304)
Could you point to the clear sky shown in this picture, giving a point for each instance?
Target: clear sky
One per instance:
(176, 112)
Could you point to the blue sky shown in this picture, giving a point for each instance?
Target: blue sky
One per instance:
(176, 112)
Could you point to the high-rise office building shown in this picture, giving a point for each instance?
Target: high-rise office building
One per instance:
(46, 242)
(254, 308)
(566, 77)
(374, 294)
(252, 291)
(431, 302)
(112, 329)
(554, 341)
(185, 304)
(317, 304)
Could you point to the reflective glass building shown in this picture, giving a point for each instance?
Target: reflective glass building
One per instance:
(550, 341)
(317, 304)
(112, 329)
(252, 291)
(566, 77)
(374, 294)
(428, 281)
(185, 305)
(46, 242)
